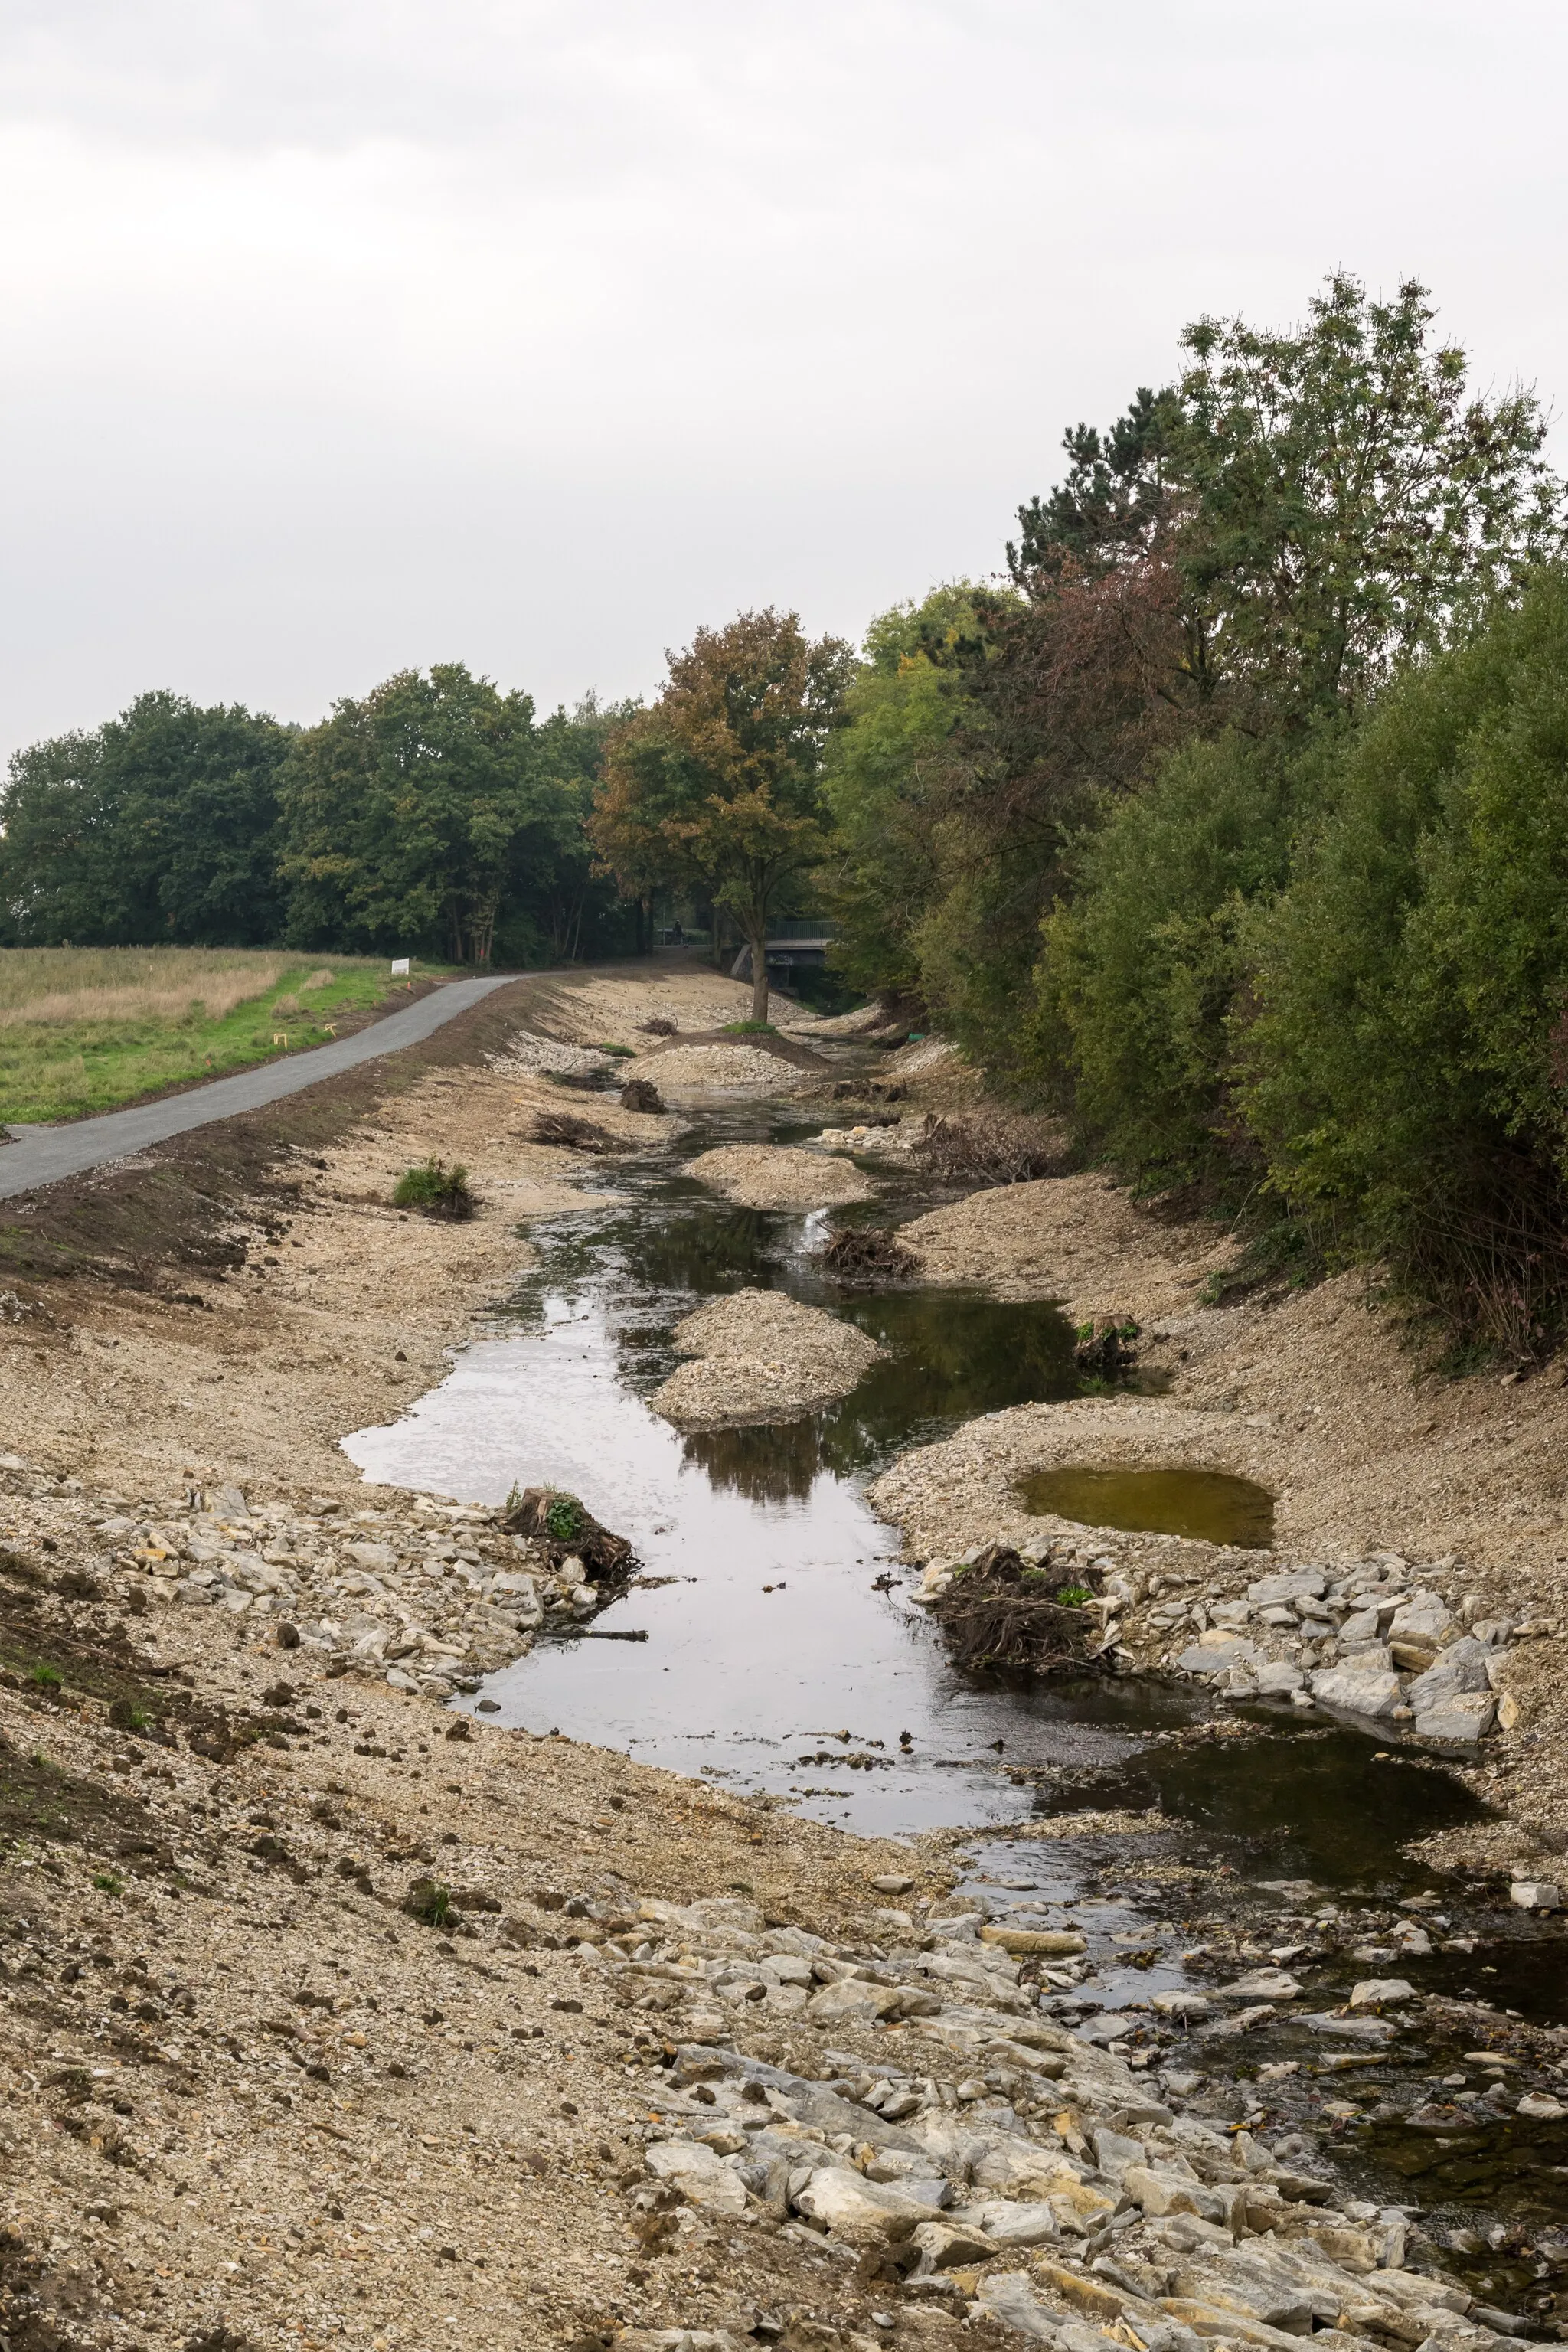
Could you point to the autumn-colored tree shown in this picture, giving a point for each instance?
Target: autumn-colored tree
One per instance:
(718, 785)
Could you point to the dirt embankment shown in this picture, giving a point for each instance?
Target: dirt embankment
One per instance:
(1320, 1395)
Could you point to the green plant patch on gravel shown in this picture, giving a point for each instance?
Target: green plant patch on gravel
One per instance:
(436, 1189)
(85, 1030)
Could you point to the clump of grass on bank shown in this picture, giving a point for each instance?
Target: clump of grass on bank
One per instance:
(85, 1029)
(436, 1191)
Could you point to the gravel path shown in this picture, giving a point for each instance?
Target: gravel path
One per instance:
(42, 1155)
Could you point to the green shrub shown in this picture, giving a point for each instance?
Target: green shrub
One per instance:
(430, 1902)
(46, 1677)
(564, 1519)
(436, 1191)
(1406, 1062)
(1141, 970)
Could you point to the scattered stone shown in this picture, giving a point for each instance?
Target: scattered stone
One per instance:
(1382, 1992)
(1536, 1894)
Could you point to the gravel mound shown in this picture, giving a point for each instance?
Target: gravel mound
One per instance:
(528, 1051)
(769, 1176)
(760, 1357)
(714, 1066)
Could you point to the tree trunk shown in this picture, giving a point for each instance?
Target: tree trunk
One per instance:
(759, 979)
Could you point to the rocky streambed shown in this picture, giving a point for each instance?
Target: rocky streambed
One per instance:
(1162, 2074)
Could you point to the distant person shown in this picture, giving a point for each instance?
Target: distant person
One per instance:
(676, 935)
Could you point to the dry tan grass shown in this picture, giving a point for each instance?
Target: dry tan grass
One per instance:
(55, 986)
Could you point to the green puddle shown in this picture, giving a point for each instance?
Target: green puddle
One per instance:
(1207, 1505)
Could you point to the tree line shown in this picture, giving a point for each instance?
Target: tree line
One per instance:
(1231, 824)
(1228, 820)
(436, 816)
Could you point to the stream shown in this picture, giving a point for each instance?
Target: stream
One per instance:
(783, 1655)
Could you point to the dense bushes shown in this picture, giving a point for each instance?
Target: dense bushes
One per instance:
(1403, 1065)
(1142, 966)
(1238, 832)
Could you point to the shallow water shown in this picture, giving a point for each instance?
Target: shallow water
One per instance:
(1208, 1505)
(776, 1614)
(783, 1654)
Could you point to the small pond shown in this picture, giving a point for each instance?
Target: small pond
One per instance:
(1207, 1505)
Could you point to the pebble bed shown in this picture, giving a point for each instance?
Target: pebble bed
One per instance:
(432, 1597)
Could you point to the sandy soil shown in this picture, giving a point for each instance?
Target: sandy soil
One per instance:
(252, 2099)
(1073, 1238)
(760, 1357)
(769, 1176)
(345, 1308)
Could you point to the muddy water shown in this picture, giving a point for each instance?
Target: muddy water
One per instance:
(1209, 1505)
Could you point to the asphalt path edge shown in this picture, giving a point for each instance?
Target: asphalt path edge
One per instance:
(48, 1154)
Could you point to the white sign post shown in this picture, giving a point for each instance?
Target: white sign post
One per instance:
(400, 967)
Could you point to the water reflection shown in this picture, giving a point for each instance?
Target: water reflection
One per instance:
(1314, 1802)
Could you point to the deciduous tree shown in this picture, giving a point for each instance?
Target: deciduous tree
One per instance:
(718, 785)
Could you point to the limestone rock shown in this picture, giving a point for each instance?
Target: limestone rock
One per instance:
(1425, 1616)
(1469, 1716)
(1535, 1895)
(1375, 1694)
(853, 1998)
(861, 2212)
(1382, 1992)
(1288, 1586)
(1462, 1667)
(702, 2178)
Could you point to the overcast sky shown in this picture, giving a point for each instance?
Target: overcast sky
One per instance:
(347, 335)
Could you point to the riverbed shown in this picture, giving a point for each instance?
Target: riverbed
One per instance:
(783, 1653)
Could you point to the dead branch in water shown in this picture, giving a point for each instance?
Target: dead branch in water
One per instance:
(1006, 1611)
(870, 1254)
(577, 1134)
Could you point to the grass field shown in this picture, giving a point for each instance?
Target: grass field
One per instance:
(85, 1029)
